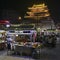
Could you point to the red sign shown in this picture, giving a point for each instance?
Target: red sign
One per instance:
(4, 22)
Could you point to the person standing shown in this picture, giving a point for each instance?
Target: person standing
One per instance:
(9, 43)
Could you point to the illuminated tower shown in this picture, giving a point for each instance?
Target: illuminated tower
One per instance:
(40, 10)
(40, 13)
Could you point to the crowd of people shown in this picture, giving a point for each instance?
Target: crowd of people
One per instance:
(47, 40)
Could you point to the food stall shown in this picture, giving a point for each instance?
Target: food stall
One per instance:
(2, 39)
(24, 42)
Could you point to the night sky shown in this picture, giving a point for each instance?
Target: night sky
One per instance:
(21, 6)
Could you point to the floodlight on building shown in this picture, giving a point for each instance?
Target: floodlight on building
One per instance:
(19, 18)
(47, 15)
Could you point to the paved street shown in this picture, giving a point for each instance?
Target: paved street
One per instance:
(46, 54)
(4, 56)
(51, 53)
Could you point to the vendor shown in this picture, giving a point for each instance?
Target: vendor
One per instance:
(9, 42)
